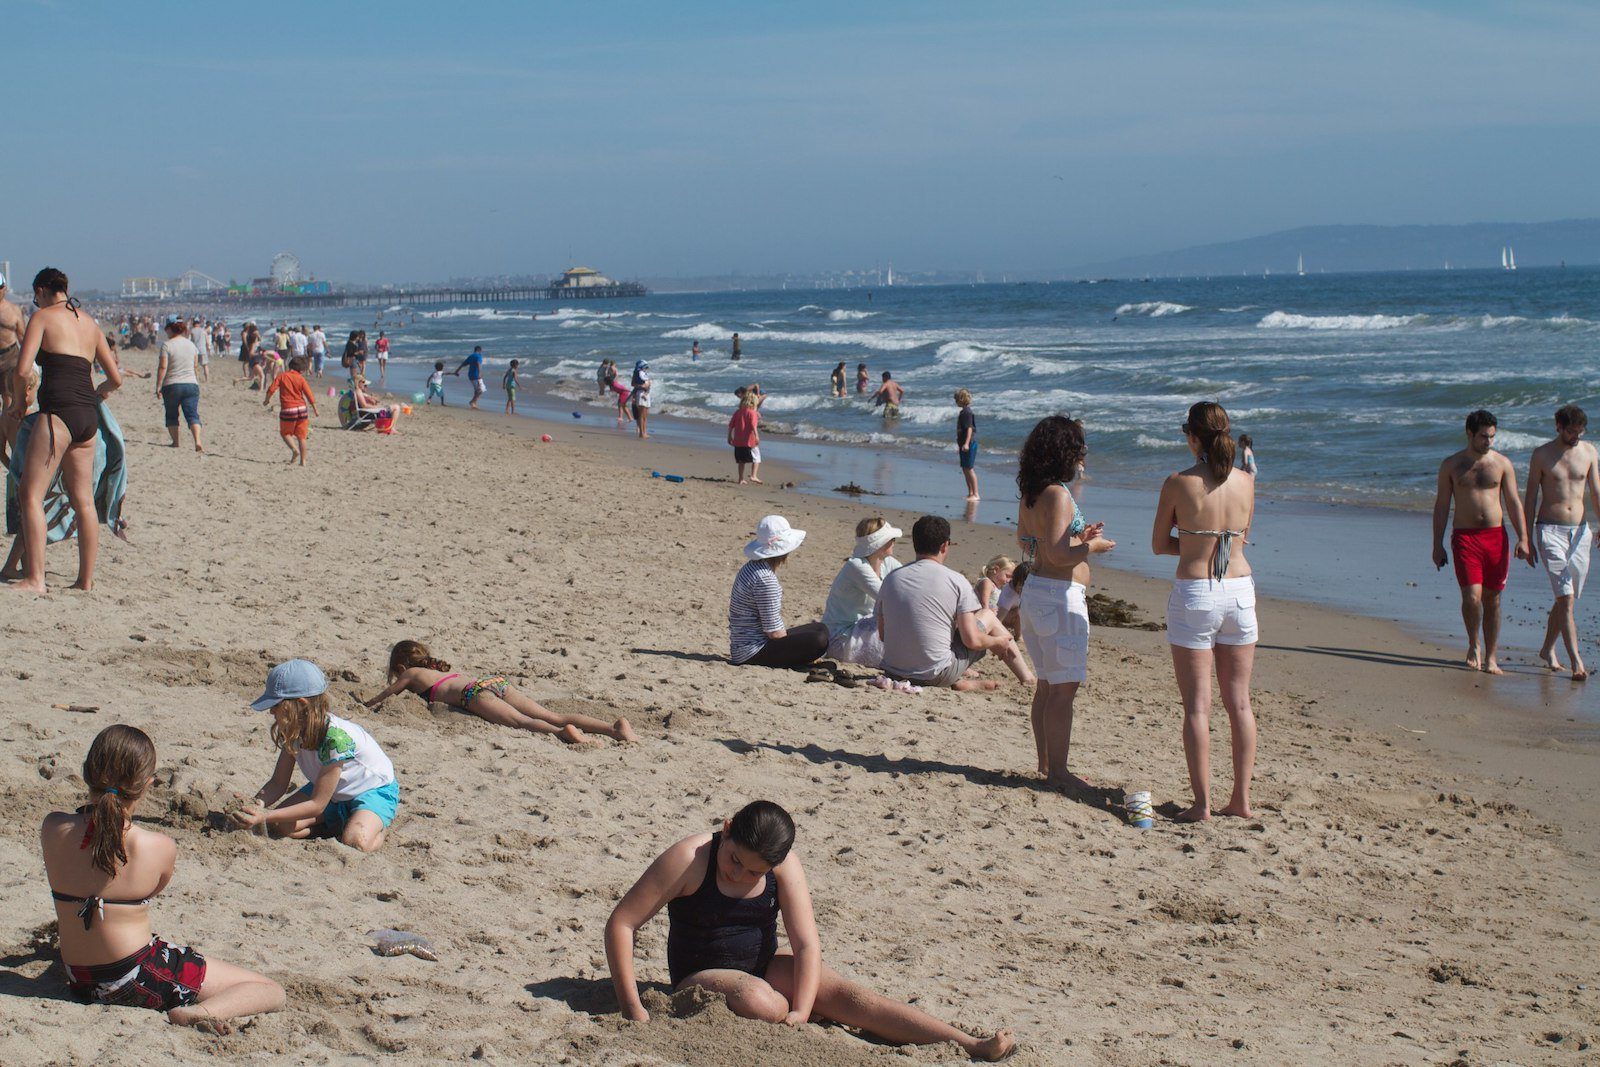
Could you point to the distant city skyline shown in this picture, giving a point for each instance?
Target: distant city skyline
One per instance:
(692, 140)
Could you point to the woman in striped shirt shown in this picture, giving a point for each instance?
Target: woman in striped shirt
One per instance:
(756, 634)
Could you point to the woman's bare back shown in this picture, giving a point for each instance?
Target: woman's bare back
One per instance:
(123, 928)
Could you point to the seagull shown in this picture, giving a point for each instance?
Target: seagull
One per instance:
(1058, 177)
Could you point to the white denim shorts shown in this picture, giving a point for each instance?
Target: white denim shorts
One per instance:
(858, 644)
(1204, 613)
(1055, 628)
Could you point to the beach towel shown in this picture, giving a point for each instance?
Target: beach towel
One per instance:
(110, 482)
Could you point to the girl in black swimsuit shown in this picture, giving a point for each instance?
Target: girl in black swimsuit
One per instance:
(724, 893)
(66, 426)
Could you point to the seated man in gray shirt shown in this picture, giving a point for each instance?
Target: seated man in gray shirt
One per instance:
(933, 627)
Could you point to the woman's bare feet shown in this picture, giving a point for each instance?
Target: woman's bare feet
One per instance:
(1067, 783)
(624, 731)
(982, 685)
(1491, 667)
(36, 588)
(82, 586)
(993, 1049)
(1194, 813)
(1549, 660)
(1238, 809)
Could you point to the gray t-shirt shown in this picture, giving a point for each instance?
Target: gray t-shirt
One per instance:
(918, 605)
(180, 354)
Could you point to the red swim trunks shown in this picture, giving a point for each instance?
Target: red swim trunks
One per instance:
(1482, 557)
(159, 976)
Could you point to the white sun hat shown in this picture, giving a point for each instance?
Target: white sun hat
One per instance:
(774, 537)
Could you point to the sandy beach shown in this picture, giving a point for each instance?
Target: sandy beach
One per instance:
(1417, 886)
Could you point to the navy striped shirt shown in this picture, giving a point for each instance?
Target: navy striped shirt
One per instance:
(754, 610)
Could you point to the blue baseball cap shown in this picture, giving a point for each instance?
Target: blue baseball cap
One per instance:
(296, 678)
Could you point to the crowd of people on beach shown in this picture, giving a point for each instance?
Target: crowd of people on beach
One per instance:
(921, 624)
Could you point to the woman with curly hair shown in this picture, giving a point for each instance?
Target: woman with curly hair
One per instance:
(1057, 542)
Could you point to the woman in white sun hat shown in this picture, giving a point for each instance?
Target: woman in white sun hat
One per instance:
(756, 634)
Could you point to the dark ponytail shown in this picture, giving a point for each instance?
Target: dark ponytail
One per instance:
(1209, 425)
(118, 769)
(765, 829)
(406, 654)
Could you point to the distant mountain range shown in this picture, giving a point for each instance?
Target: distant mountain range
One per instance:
(1370, 248)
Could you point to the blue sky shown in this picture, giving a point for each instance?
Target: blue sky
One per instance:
(408, 141)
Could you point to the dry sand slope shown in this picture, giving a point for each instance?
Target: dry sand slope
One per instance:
(1378, 909)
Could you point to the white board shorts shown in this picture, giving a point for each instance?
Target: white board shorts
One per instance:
(478, 387)
(1204, 613)
(1055, 628)
(1564, 551)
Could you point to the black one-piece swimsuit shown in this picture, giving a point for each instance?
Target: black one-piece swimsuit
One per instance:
(67, 392)
(709, 930)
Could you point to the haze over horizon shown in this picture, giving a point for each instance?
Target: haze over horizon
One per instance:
(706, 139)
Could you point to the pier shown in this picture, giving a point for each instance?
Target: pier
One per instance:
(420, 297)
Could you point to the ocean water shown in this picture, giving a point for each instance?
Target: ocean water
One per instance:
(1353, 387)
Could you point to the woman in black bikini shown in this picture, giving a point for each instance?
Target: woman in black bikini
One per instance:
(724, 893)
(64, 342)
(104, 871)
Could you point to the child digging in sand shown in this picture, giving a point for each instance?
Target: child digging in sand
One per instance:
(723, 893)
(104, 872)
(413, 669)
(350, 791)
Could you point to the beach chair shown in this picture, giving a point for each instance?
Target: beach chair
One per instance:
(350, 418)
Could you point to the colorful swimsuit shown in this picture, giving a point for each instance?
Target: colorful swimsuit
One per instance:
(159, 976)
(496, 685)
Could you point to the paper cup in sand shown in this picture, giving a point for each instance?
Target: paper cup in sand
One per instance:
(1138, 809)
(332, 391)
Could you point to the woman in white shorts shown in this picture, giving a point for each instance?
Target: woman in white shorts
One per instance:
(1203, 518)
(1057, 543)
(851, 611)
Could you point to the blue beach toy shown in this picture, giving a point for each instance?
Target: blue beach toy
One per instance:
(419, 397)
(577, 415)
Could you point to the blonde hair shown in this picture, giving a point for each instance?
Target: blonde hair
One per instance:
(870, 526)
(963, 397)
(999, 563)
(749, 400)
(304, 723)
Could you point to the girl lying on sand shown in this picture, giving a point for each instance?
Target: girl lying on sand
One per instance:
(103, 873)
(412, 668)
(723, 893)
(351, 791)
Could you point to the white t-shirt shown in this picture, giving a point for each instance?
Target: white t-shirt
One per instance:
(362, 764)
(180, 354)
(297, 344)
(319, 342)
(1008, 599)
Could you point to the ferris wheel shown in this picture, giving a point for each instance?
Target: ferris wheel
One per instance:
(285, 268)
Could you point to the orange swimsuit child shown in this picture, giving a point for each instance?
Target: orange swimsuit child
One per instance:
(294, 400)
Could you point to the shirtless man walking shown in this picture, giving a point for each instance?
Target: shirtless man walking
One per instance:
(1560, 473)
(1483, 486)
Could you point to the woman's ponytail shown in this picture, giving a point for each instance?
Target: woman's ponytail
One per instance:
(118, 769)
(1209, 425)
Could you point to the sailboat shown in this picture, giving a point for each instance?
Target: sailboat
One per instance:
(1508, 258)
(1301, 269)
